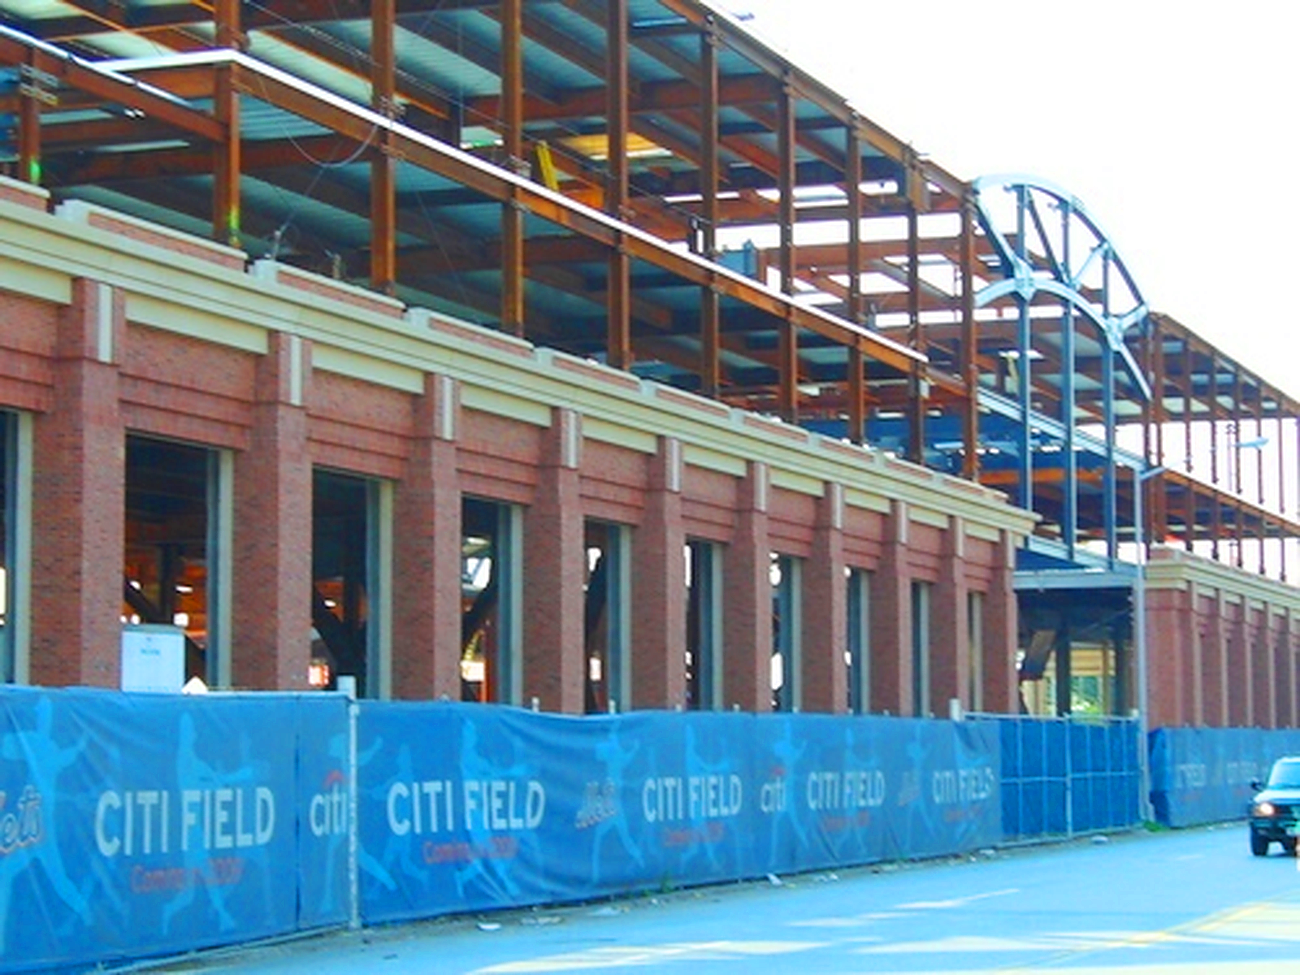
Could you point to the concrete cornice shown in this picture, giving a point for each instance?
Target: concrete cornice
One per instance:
(1176, 568)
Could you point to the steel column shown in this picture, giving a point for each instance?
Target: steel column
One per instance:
(1259, 454)
(619, 293)
(1259, 472)
(383, 168)
(1235, 484)
(854, 363)
(970, 466)
(226, 152)
(1237, 521)
(1069, 352)
(1110, 516)
(1281, 493)
(1187, 405)
(1023, 367)
(1160, 416)
(788, 404)
(915, 338)
(1281, 462)
(853, 194)
(1215, 519)
(1190, 500)
(1213, 392)
(710, 319)
(512, 216)
(29, 127)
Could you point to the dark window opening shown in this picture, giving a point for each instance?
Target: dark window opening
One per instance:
(489, 587)
(702, 622)
(170, 494)
(342, 535)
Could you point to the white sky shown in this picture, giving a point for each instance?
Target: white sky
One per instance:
(1175, 124)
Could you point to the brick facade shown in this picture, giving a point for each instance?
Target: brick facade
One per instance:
(290, 374)
(1221, 646)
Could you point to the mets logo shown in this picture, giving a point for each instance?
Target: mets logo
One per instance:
(599, 803)
(20, 823)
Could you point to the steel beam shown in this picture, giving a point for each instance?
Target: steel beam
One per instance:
(226, 164)
(853, 220)
(302, 98)
(383, 168)
(513, 316)
(970, 467)
(618, 346)
(29, 131)
(916, 340)
(710, 312)
(788, 401)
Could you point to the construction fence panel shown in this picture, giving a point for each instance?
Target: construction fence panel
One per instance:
(136, 824)
(1204, 775)
(1062, 776)
(467, 808)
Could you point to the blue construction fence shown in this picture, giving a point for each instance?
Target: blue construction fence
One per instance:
(136, 825)
(1204, 775)
(1064, 776)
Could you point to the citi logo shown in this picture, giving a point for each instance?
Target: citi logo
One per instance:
(327, 813)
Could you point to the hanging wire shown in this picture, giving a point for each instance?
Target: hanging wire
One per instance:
(436, 237)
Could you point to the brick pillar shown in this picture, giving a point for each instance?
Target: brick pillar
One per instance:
(1269, 694)
(891, 643)
(1001, 682)
(1259, 713)
(950, 628)
(1287, 717)
(659, 587)
(825, 610)
(747, 600)
(271, 622)
(1215, 671)
(1238, 652)
(79, 511)
(554, 655)
(1168, 635)
(426, 552)
(1196, 659)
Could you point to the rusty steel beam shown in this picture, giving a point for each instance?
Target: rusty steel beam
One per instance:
(815, 91)
(512, 217)
(970, 468)
(618, 345)
(915, 339)
(853, 255)
(111, 88)
(788, 333)
(643, 99)
(267, 84)
(710, 310)
(383, 167)
(225, 153)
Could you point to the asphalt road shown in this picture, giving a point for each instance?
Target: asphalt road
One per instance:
(1186, 901)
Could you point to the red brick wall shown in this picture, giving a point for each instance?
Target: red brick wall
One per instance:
(359, 427)
(27, 363)
(79, 487)
(175, 386)
(172, 385)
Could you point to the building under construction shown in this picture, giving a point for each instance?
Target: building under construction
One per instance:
(590, 354)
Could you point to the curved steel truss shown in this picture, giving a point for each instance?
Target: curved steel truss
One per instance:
(1046, 243)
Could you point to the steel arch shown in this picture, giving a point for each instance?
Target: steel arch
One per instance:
(1060, 275)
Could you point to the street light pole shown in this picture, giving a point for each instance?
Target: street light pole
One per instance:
(1140, 478)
